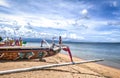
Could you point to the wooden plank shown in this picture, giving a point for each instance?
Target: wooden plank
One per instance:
(45, 66)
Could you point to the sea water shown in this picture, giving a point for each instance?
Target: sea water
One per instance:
(109, 52)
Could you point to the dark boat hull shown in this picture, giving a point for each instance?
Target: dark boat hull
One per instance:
(19, 52)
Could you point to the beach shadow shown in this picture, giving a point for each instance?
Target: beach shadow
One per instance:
(78, 72)
(20, 60)
(25, 60)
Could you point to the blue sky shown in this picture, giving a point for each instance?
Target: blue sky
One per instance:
(82, 20)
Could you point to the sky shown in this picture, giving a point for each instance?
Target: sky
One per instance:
(78, 20)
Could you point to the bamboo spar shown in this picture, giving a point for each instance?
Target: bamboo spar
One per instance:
(45, 66)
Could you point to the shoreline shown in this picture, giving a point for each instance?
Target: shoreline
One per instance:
(111, 66)
(88, 70)
(104, 63)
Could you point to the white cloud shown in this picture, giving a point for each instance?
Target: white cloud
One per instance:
(84, 12)
(4, 3)
(46, 22)
(73, 32)
(114, 23)
(112, 39)
(16, 20)
(72, 36)
(114, 3)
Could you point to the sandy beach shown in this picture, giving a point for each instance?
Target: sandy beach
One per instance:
(89, 70)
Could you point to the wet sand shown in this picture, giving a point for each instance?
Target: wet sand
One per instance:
(88, 70)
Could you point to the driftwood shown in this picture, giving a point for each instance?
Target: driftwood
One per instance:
(45, 66)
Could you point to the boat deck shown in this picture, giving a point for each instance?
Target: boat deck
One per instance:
(21, 47)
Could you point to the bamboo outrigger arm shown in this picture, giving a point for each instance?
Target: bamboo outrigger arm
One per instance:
(46, 66)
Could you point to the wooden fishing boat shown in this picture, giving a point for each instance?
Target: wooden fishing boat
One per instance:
(32, 52)
(29, 52)
(20, 52)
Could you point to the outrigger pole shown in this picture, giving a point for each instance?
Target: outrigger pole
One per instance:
(46, 66)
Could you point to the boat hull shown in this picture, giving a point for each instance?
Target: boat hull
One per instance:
(19, 52)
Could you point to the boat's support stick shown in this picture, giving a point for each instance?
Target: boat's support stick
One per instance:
(45, 66)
